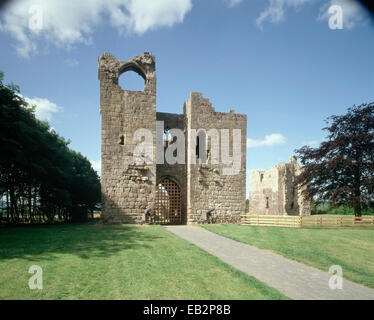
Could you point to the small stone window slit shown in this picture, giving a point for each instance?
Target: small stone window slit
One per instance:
(198, 147)
(122, 140)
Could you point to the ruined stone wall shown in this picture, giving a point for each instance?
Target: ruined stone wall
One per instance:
(303, 204)
(274, 192)
(290, 204)
(265, 195)
(207, 187)
(127, 189)
(176, 172)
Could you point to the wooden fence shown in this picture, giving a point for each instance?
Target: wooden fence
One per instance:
(306, 221)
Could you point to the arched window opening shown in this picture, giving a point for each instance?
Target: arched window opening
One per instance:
(167, 138)
(267, 202)
(131, 81)
(201, 146)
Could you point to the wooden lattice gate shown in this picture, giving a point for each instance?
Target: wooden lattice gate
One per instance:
(168, 202)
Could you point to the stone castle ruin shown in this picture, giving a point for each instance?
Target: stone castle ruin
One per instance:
(156, 190)
(274, 192)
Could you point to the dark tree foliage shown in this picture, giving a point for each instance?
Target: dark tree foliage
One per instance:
(41, 179)
(341, 169)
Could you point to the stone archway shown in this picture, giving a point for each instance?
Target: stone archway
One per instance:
(168, 202)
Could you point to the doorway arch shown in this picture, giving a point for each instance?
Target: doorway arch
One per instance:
(168, 202)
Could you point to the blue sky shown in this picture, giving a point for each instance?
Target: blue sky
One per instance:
(277, 61)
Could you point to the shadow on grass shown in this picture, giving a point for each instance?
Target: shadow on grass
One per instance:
(83, 240)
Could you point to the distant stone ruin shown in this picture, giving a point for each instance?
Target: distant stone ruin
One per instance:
(274, 192)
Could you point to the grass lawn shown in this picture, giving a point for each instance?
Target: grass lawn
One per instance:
(86, 261)
(351, 248)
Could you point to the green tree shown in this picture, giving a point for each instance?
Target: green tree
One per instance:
(341, 169)
(40, 177)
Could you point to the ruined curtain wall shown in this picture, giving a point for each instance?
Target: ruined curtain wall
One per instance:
(207, 187)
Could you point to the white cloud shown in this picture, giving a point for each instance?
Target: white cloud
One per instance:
(353, 12)
(269, 140)
(233, 3)
(96, 164)
(70, 22)
(44, 109)
(275, 12)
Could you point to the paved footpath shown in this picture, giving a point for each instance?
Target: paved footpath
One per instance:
(294, 279)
